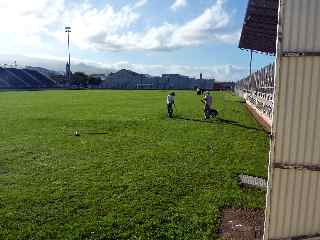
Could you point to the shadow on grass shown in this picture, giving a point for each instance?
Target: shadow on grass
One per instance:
(236, 101)
(96, 133)
(221, 121)
(89, 133)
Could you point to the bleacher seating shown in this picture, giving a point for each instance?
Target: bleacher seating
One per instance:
(44, 80)
(11, 79)
(15, 78)
(29, 81)
(3, 82)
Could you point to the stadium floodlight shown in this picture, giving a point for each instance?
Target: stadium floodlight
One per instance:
(68, 70)
(68, 30)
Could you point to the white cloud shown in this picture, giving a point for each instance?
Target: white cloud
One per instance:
(108, 29)
(140, 3)
(178, 4)
(230, 38)
(33, 20)
(89, 23)
(32, 16)
(25, 22)
(210, 26)
(28, 24)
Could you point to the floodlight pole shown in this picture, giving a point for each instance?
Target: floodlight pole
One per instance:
(68, 73)
(250, 62)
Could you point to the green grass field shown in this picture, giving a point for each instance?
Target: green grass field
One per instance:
(132, 174)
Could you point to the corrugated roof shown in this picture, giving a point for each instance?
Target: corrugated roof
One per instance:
(259, 32)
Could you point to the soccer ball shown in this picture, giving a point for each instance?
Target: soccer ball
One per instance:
(77, 133)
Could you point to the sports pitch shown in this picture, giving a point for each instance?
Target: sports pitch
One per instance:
(132, 173)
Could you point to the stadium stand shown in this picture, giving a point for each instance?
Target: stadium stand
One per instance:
(44, 80)
(17, 78)
(12, 79)
(3, 82)
(26, 78)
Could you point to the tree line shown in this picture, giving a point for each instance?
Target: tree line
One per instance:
(84, 80)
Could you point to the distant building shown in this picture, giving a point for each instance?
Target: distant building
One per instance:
(123, 79)
(224, 86)
(126, 79)
(177, 81)
(102, 77)
(206, 84)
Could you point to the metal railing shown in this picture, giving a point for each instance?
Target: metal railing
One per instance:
(257, 89)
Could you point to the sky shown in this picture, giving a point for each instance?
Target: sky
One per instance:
(148, 36)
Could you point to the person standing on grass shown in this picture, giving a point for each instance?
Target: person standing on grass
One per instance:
(170, 103)
(207, 100)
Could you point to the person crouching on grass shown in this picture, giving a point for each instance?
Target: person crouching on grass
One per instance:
(207, 100)
(170, 103)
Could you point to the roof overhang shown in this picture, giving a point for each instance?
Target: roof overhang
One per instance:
(259, 32)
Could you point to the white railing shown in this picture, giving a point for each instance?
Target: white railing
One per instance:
(257, 90)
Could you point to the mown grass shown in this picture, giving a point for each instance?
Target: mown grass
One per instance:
(132, 174)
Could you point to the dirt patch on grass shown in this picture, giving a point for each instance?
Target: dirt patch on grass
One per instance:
(242, 224)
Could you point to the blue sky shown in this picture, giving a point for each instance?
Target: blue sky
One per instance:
(148, 36)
